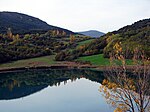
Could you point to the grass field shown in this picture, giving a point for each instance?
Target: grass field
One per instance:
(81, 43)
(49, 60)
(45, 60)
(95, 59)
(100, 60)
(84, 42)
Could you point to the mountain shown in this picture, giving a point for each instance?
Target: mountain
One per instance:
(22, 23)
(92, 33)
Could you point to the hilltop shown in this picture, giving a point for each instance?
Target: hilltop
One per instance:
(92, 33)
(22, 24)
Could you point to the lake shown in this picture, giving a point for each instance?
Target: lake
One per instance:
(65, 90)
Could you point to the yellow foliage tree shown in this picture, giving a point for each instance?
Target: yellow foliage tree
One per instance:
(9, 33)
(128, 88)
(72, 38)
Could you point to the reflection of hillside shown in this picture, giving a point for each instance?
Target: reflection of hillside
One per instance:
(20, 84)
(18, 92)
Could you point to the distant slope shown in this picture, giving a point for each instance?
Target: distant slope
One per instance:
(22, 23)
(92, 33)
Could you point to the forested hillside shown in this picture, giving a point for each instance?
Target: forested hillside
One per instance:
(22, 24)
(132, 36)
(23, 36)
(15, 47)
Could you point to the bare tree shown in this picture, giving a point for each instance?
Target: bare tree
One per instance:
(128, 87)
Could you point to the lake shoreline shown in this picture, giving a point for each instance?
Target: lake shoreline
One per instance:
(60, 65)
(63, 65)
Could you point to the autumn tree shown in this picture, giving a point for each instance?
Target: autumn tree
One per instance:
(27, 36)
(128, 88)
(63, 33)
(9, 33)
(57, 32)
(72, 38)
(16, 37)
(54, 33)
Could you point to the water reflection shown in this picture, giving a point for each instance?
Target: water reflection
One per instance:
(21, 84)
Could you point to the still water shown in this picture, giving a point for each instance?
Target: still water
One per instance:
(52, 91)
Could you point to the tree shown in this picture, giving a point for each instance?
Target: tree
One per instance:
(9, 33)
(57, 32)
(63, 33)
(27, 36)
(72, 38)
(128, 88)
(15, 37)
(54, 33)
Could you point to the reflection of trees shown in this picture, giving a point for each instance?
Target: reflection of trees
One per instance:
(21, 84)
(12, 84)
(47, 77)
(128, 90)
(125, 95)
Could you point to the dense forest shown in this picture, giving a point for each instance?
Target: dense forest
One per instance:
(15, 47)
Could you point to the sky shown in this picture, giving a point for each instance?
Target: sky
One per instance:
(82, 15)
